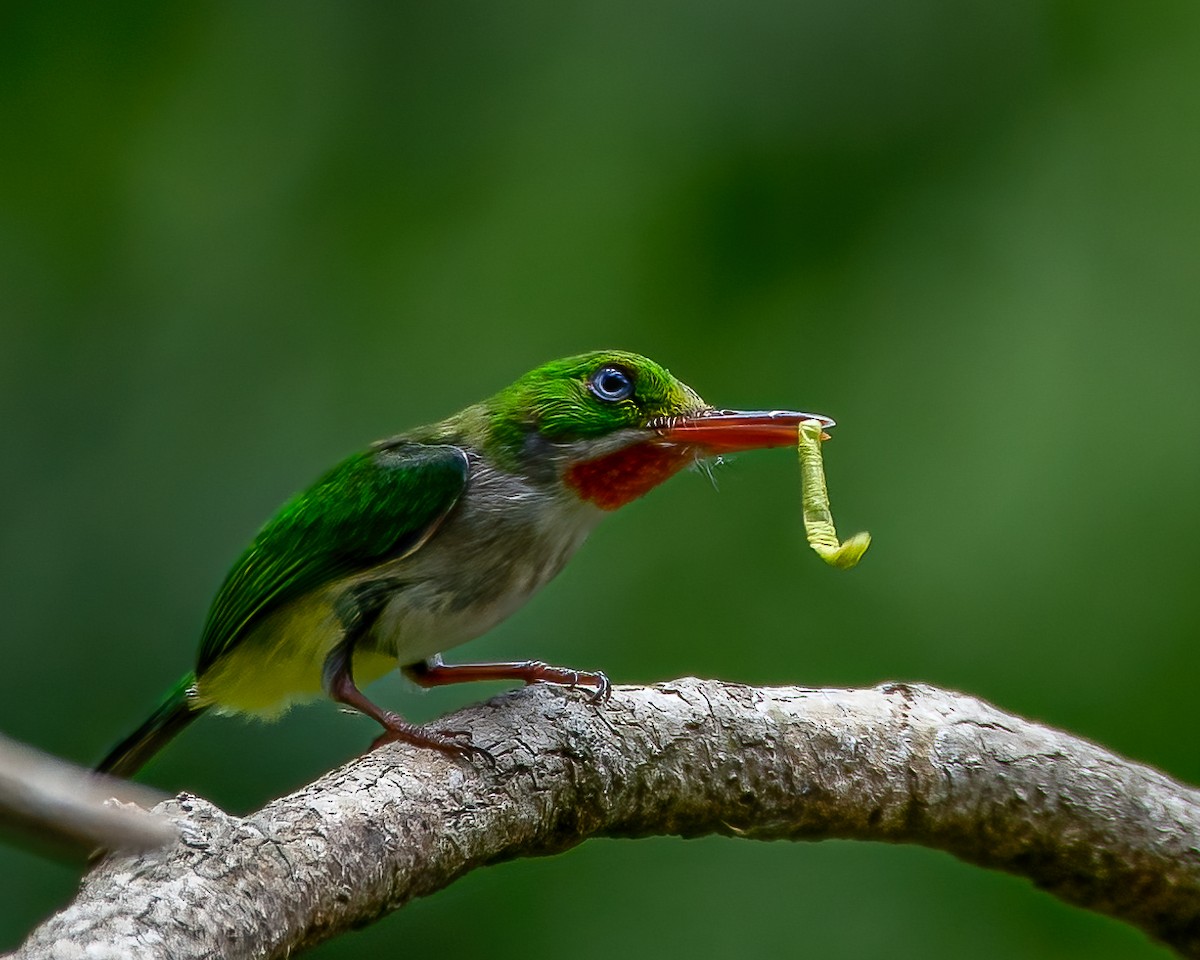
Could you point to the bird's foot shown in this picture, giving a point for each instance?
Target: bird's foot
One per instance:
(455, 743)
(535, 671)
(434, 673)
(602, 691)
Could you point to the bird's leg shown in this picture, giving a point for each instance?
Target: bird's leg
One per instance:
(359, 617)
(342, 689)
(435, 673)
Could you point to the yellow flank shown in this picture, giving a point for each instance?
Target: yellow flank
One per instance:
(818, 520)
(281, 662)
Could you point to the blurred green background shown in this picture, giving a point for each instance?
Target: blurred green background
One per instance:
(240, 240)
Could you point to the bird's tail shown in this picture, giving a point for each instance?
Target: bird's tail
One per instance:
(172, 715)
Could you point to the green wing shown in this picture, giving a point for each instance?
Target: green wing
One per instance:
(369, 508)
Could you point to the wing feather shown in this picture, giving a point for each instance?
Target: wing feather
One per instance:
(371, 507)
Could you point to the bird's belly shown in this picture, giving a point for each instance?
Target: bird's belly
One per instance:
(415, 627)
(282, 662)
(479, 571)
(475, 573)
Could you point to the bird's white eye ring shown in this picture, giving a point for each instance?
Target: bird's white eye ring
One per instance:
(612, 384)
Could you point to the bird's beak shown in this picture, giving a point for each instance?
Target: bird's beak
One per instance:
(729, 431)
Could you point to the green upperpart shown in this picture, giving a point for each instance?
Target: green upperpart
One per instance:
(557, 401)
(371, 507)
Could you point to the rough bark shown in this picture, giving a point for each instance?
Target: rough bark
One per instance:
(910, 764)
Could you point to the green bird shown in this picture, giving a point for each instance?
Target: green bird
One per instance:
(429, 539)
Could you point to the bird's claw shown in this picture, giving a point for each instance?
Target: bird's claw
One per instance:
(537, 671)
(443, 741)
(603, 691)
(458, 743)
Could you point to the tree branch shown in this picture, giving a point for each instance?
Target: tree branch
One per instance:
(908, 764)
(58, 809)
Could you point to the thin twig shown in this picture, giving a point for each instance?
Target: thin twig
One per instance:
(59, 808)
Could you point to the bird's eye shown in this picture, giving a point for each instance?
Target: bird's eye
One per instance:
(612, 384)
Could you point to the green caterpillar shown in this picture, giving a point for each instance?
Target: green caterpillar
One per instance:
(818, 521)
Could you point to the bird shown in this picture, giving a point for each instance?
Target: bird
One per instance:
(430, 538)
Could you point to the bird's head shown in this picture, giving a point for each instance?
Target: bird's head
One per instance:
(612, 425)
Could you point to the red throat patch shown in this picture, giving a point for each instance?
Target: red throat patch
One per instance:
(615, 480)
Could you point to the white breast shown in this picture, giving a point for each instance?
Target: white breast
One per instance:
(505, 540)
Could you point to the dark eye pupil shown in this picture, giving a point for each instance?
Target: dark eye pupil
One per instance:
(611, 384)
